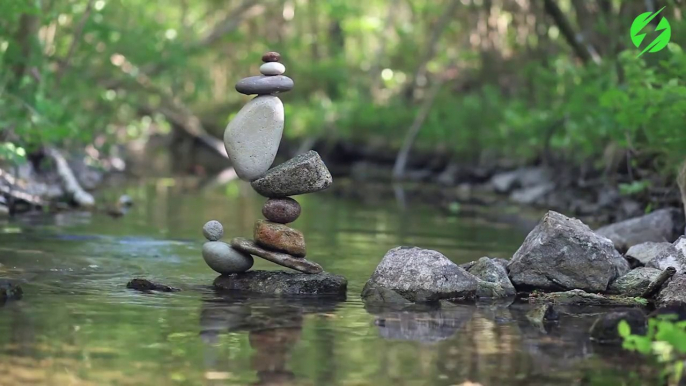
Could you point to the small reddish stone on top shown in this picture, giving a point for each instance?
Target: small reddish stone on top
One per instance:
(271, 57)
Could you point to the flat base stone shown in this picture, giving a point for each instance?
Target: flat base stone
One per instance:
(283, 283)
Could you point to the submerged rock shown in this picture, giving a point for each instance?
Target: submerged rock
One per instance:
(283, 283)
(674, 293)
(420, 275)
(282, 259)
(562, 253)
(542, 313)
(673, 255)
(582, 298)
(658, 226)
(145, 285)
(9, 291)
(642, 254)
(305, 173)
(605, 329)
(635, 282)
(494, 281)
(225, 259)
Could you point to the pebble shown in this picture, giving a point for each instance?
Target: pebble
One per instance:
(213, 230)
(280, 238)
(252, 138)
(271, 56)
(263, 85)
(272, 68)
(224, 259)
(281, 210)
(282, 259)
(305, 173)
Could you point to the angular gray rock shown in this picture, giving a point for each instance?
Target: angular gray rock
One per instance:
(253, 136)
(213, 230)
(642, 254)
(562, 253)
(660, 225)
(635, 282)
(262, 85)
(284, 283)
(282, 259)
(305, 173)
(491, 271)
(673, 255)
(605, 329)
(521, 178)
(224, 259)
(419, 274)
(674, 293)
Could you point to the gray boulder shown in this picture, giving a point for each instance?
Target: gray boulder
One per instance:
(562, 253)
(673, 255)
(674, 293)
(658, 226)
(494, 282)
(521, 178)
(419, 275)
(642, 254)
(635, 282)
(283, 283)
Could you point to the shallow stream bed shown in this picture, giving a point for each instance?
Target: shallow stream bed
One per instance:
(78, 325)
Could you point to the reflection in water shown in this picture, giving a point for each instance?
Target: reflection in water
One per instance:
(274, 326)
(77, 324)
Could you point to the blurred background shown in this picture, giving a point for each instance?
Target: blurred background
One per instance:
(424, 85)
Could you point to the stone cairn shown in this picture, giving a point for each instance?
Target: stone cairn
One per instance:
(252, 139)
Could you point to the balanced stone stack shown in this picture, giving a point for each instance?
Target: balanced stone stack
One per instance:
(252, 139)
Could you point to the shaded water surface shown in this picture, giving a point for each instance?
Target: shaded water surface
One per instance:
(79, 325)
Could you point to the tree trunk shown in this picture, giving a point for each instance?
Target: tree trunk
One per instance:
(567, 30)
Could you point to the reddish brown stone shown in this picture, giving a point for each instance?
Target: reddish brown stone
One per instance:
(271, 57)
(281, 210)
(279, 237)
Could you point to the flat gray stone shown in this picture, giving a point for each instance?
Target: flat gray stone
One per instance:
(419, 275)
(644, 253)
(263, 85)
(672, 256)
(253, 136)
(283, 283)
(272, 69)
(660, 225)
(674, 293)
(635, 282)
(282, 259)
(224, 259)
(305, 173)
(562, 253)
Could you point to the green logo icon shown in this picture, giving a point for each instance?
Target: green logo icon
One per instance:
(660, 41)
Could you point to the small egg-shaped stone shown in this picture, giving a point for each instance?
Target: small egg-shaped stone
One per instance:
(272, 68)
(281, 210)
(213, 230)
(271, 56)
(224, 259)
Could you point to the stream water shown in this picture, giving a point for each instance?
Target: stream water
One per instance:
(78, 325)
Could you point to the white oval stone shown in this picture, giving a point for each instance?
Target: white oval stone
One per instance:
(224, 259)
(253, 136)
(272, 68)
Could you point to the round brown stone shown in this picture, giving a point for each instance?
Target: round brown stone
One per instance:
(271, 57)
(281, 210)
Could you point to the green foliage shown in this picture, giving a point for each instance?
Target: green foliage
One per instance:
(666, 340)
(79, 72)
